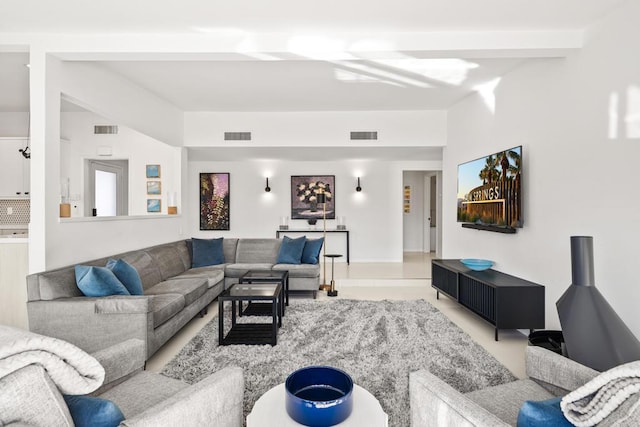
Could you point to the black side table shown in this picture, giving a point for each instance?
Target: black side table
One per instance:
(332, 291)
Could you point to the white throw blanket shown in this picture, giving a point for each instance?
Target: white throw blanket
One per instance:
(597, 399)
(70, 368)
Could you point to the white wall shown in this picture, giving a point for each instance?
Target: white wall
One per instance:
(140, 150)
(52, 242)
(580, 177)
(118, 99)
(318, 128)
(373, 216)
(14, 124)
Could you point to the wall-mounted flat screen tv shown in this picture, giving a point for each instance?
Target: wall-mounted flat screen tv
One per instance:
(490, 191)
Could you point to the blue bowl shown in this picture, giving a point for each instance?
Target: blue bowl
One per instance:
(477, 264)
(319, 396)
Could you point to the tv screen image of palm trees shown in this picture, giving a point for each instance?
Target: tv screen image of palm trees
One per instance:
(489, 189)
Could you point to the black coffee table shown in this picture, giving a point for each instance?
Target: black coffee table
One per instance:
(251, 333)
(262, 276)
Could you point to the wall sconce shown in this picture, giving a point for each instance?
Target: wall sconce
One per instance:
(267, 188)
(358, 188)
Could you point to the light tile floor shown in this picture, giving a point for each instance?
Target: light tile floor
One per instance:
(408, 280)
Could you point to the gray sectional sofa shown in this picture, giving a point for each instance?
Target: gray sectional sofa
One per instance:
(173, 293)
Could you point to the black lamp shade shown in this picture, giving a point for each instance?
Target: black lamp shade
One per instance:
(594, 334)
(321, 198)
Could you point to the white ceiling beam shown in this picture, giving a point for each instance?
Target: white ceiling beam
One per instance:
(237, 45)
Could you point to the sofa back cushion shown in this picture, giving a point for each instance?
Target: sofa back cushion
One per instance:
(147, 269)
(167, 259)
(229, 248)
(252, 251)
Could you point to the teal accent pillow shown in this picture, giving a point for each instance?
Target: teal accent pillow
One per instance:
(88, 411)
(546, 413)
(311, 251)
(127, 275)
(291, 250)
(206, 252)
(98, 281)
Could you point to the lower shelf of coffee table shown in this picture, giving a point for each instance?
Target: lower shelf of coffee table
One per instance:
(250, 333)
(258, 309)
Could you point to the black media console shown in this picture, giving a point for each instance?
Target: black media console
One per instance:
(505, 301)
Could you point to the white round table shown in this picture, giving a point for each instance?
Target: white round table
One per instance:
(269, 410)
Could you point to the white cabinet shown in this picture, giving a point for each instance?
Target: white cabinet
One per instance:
(14, 168)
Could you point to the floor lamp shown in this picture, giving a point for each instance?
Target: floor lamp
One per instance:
(322, 198)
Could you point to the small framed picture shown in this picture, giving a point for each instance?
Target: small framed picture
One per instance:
(153, 171)
(154, 187)
(154, 205)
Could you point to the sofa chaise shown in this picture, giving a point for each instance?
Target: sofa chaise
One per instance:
(174, 293)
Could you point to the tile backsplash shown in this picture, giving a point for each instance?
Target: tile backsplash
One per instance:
(15, 211)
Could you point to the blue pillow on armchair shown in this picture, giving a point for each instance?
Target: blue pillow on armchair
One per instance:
(546, 413)
(311, 251)
(291, 250)
(206, 252)
(88, 411)
(127, 275)
(98, 281)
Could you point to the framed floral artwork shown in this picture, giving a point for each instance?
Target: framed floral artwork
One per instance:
(305, 190)
(214, 201)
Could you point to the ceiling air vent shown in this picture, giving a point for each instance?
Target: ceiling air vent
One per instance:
(360, 136)
(237, 136)
(105, 129)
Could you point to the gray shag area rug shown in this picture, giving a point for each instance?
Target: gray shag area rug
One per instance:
(377, 342)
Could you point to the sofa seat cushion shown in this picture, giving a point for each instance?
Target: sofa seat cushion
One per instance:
(190, 288)
(299, 270)
(142, 391)
(213, 274)
(237, 270)
(164, 307)
(505, 400)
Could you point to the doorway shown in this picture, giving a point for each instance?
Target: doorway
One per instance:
(107, 183)
(420, 211)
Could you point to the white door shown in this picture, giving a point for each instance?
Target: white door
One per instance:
(426, 212)
(107, 188)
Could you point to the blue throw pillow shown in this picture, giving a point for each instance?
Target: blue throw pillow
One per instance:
(88, 411)
(98, 282)
(311, 251)
(291, 250)
(546, 413)
(127, 275)
(206, 252)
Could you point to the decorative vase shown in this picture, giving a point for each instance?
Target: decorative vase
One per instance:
(313, 205)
